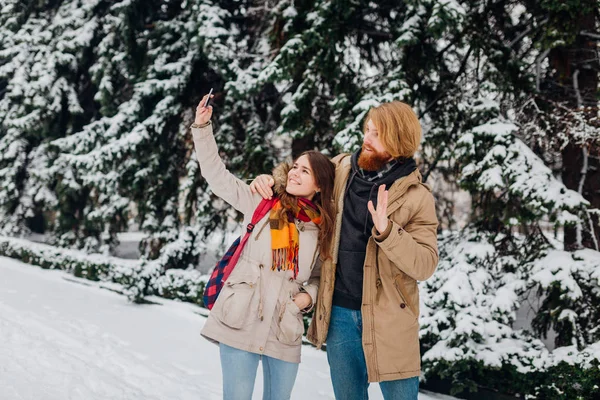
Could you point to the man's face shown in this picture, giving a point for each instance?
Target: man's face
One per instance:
(373, 155)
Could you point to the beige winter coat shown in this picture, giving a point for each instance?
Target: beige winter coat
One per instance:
(255, 311)
(396, 259)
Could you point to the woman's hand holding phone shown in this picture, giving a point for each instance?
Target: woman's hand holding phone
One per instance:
(203, 112)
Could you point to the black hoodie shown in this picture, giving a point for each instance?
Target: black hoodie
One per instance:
(356, 230)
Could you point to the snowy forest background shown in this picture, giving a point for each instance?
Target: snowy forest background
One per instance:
(96, 98)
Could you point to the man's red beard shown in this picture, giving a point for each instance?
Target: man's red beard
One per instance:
(373, 160)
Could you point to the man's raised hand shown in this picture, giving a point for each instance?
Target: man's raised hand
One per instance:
(379, 215)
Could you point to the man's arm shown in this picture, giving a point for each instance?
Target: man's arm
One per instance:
(413, 248)
(263, 185)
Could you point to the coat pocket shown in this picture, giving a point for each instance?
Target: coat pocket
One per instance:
(291, 325)
(403, 301)
(236, 304)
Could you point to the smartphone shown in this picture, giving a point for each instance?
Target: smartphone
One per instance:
(207, 102)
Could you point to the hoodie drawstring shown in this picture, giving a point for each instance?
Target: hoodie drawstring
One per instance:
(349, 183)
(281, 311)
(370, 194)
(260, 292)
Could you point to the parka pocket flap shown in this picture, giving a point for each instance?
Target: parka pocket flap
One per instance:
(404, 304)
(237, 302)
(249, 282)
(396, 205)
(243, 279)
(292, 307)
(291, 325)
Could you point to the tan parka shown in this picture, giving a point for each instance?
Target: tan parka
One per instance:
(255, 311)
(395, 260)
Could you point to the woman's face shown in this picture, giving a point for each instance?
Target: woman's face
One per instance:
(301, 180)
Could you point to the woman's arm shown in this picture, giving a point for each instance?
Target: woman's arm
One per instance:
(222, 182)
(311, 288)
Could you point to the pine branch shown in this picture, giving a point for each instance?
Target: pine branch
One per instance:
(460, 71)
(380, 34)
(590, 35)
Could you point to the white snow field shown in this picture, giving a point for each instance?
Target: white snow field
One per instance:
(66, 338)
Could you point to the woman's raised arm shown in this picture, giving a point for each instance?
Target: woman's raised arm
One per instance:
(222, 182)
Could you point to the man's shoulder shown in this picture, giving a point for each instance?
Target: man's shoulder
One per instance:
(342, 170)
(417, 190)
(340, 158)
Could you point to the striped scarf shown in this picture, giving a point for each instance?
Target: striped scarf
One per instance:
(284, 234)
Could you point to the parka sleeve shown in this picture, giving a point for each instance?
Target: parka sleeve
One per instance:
(312, 286)
(413, 248)
(222, 182)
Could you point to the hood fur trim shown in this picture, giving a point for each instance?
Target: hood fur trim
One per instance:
(280, 176)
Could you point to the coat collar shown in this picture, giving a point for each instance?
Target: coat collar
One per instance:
(396, 191)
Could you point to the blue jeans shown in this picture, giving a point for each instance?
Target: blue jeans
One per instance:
(347, 361)
(239, 373)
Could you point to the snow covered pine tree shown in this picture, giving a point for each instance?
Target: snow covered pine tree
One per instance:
(96, 98)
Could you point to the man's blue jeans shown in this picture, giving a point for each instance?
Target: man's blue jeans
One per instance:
(239, 373)
(347, 361)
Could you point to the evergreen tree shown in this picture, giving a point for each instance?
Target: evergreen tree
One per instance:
(96, 99)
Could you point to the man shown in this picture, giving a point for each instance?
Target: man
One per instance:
(368, 302)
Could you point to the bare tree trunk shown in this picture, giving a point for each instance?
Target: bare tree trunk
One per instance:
(576, 79)
(575, 176)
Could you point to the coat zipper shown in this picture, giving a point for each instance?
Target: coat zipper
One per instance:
(372, 319)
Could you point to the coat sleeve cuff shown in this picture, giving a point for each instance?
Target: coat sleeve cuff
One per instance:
(380, 237)
(202, 133)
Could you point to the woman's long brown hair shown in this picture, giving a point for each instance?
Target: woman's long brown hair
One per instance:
(323, 171)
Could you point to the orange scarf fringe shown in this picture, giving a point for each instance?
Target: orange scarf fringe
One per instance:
(284, 234)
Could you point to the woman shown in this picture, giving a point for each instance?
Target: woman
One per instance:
(258, 314)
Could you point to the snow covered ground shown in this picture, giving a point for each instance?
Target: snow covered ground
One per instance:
(66, 338)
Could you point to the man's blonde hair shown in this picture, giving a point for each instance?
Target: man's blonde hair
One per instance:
(398, 128)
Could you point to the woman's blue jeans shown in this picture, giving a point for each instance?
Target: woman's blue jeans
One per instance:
(347, 361)
(239, 373)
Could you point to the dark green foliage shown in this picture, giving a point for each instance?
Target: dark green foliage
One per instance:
(97, 142)
(565, 381)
